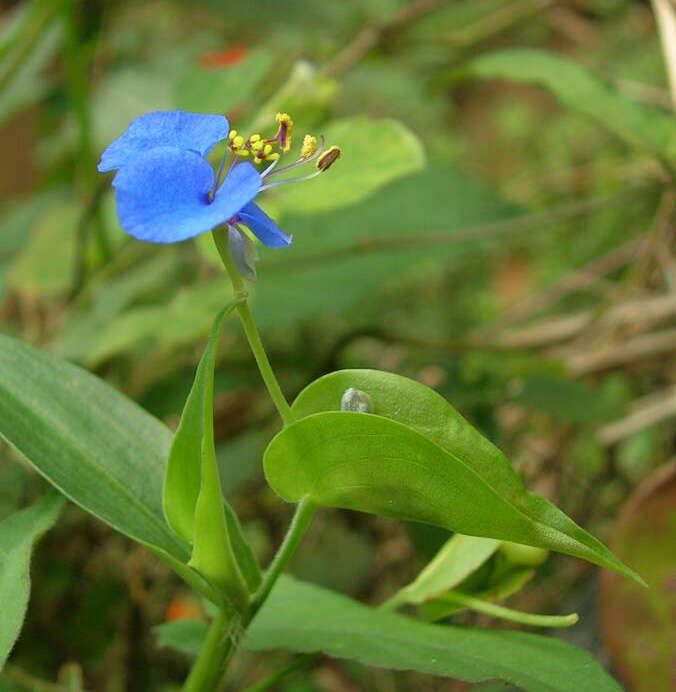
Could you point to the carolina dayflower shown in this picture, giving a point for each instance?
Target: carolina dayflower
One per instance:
(166, 191)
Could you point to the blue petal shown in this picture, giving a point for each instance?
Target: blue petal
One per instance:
(197, 132)
(162, 196)
(263, 227)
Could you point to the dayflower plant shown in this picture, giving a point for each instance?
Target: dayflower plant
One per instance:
(166, 190)
(363, 440)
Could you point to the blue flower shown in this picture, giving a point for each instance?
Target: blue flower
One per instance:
(166, 191)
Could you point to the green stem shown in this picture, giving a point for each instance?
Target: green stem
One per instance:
(214, 656)
(305, 511)
(498, 611)
(253, 337)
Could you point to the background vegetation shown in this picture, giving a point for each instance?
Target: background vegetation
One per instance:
(501, 228)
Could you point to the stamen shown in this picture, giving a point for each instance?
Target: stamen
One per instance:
(291, 180)
(329, 158)
(301, 161)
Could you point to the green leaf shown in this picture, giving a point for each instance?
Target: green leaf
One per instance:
(45, 267)
(640, 126)
(96, 446)
(456, 560)
(212, 90)
(18, 533)
(306, 618)
(374, 153)
(193, 502)
(186, 636)
(417, 458)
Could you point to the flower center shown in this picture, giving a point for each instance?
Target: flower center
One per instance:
(261, 150)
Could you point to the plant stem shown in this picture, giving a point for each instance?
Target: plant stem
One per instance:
(305, 511)
(498, 611)
(253, 337)
(213, 658)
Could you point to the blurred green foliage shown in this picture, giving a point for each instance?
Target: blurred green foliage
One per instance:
(492, 149)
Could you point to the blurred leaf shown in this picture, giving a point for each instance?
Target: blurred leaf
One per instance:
(415, 459)
(186, 636)
(374, 153)
(305, 618)
(219, 90)
(192, 500)
(640, 126)
(342, 261)
(456, 560)
(18, 533)
(46, 266)
(29, 43)
(124, 95)
(180, 321)
(566, 400)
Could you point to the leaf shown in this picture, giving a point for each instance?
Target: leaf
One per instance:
(306, 618)
(97, 447)
(18, 533)
(45, 268)
(186, 636)
(640, 126)
(217, 90)
(374, 153)
(456, 560)
(193, 502)
(416, 459)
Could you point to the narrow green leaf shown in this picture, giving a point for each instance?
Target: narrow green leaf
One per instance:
(100, 449)
(416, 459)
(193, 501)
(455, 561)
(306, 618)
(640, 126)
(18, 533)
(183, 478)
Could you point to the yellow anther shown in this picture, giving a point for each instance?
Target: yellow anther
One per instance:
(232, 135)
(238, 141)
(257, 145)
(242, 152)
(309, 146)
(272, 157)
(267, 149)
(327, 159)
(284, 130)
(254, 138)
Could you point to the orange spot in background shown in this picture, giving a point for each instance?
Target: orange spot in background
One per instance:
(223, 58)
(183, 609)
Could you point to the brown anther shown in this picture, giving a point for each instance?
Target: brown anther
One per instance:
(327, 159)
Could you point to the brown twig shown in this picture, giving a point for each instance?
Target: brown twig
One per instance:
(646, 411)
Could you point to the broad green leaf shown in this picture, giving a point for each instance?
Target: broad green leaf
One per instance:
(374, 153)
(456, 560)
(192, 500)
(306, 618)
(417, 458)
(18, 533)
(641, 126)
(96, 446)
